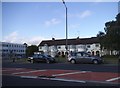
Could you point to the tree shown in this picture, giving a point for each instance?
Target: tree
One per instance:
(100, 36)
(111, 40)
(31, 49)
(112, 30)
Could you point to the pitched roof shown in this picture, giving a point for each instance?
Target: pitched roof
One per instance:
(74, 41)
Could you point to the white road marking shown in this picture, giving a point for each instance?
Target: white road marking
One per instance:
(33, 77)
(113, 79)
(69, 73)
(60, 79)
(55, 79)
(27, 72)
(13, 69)
(67, 80)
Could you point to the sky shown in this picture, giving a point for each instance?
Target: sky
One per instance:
(32, 22)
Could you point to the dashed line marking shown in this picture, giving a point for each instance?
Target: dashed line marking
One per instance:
(113, 79)
(14, 69)
(29, 77)
(67, 80)
(69, 73)
(28, 72)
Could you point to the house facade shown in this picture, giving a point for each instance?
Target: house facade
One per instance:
(53, 47)
(14, 49)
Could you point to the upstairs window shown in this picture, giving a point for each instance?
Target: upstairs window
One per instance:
(40, 47)
(59, 47)
(97, 45)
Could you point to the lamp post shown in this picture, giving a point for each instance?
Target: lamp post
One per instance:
(66, 30)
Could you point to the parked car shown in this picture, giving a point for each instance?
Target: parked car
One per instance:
(43, 58)
(30, 59)
(83, 57)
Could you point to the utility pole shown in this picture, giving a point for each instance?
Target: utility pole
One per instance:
(66, 46)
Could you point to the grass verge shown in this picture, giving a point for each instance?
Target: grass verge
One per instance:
(61, 59)
(111, 60)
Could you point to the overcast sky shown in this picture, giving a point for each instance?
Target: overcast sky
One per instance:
(32, 22)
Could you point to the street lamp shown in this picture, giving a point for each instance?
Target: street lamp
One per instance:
(66, 30)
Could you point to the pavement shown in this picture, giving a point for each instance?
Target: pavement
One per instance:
(23, 61)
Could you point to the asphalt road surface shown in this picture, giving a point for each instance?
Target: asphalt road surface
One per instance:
(59, 74)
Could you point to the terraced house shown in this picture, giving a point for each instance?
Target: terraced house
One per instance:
(53, 47)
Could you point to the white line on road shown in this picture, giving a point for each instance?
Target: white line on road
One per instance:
(28, 72)
(67, 80)
(69, 73)
(13, 69)
(33, 77)
(113, 79)
(55, 79)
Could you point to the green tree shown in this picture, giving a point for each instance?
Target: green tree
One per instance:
(111, 38)
(112, 30)
(100, 36)
(31, 49)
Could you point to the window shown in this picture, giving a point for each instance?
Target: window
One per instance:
(3, 45)
(40, 56)
(88, 46)
(59, 47)
(40, 47)
(97, 45)
(79, 55)
(72, 46)
(85, 54)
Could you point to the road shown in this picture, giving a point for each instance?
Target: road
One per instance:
(59, 74)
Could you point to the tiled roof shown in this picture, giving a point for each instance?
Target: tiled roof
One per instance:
(74, 41)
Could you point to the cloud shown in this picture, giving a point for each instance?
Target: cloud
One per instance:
(53, 21)
(74, 26)
(14, 37)
(11, 37)
(35, 40)
(84, 14)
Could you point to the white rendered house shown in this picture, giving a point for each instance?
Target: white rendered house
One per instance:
(53, 47)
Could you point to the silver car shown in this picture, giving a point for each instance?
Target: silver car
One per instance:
(83, 57)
